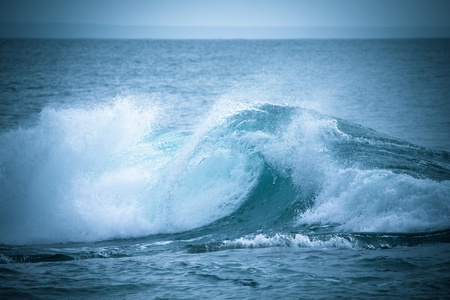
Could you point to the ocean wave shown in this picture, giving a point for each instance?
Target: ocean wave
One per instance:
(119, 171)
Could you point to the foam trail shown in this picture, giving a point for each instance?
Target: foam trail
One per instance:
(297, 240)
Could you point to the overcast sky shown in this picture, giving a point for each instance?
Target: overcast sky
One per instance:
(224, 18)
(231, 12)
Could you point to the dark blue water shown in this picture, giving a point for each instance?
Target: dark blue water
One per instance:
(226, 169)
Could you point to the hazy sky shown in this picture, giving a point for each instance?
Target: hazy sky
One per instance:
(231, 12)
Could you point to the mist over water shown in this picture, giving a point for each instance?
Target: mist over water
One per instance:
(157, 155)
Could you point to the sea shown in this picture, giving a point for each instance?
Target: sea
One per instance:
(225, 169)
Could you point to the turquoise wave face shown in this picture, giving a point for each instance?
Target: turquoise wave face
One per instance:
(249, 174)
(322, 174)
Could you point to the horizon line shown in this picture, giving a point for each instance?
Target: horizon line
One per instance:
(96, 30)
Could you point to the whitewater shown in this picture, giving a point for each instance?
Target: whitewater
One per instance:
(227, 169)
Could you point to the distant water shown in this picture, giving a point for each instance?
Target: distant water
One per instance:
(224, 169)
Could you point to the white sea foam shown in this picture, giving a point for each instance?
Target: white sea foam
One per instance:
(380, 201)
(297, 240)
(61, 181)
(86, 174)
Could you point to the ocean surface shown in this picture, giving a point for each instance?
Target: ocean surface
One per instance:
(227, 169)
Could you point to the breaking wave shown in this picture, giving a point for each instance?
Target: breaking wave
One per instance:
(116, 171)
